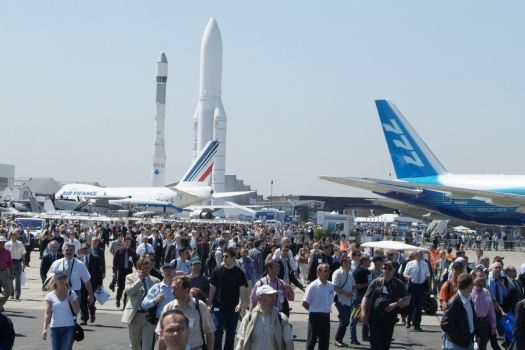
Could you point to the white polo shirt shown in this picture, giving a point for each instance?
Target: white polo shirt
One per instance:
(418, 271)
(319, 296)
(75, 268)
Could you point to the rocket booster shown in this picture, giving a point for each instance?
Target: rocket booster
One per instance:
(210, 118)
(158, 176)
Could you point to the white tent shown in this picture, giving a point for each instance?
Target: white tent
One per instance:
(463, 229)
(395, 245)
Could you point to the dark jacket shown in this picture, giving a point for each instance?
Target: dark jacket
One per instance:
(119, 258)
(314, 262)
(46, 263)
(455, 323)
(96, 270)
(519, 328)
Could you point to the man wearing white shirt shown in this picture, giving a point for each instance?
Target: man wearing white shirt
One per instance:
(286, 242)
(145, 247)
(418, 274)
(73, 240)
(18, 252)
(318, 299)
(75, 269)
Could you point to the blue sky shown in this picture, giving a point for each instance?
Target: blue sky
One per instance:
(299, 79)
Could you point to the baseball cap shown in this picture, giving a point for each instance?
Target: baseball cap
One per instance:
(498, 258)
(61, 274)
(459, 261)
(522, 269)
(195, 260)
(3, 239)
(377, 258)
(265, 289)
(167, 267)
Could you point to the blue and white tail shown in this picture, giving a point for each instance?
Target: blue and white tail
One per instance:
(201, 169)
(410, 155)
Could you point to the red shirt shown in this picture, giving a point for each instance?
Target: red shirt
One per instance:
(5, 259)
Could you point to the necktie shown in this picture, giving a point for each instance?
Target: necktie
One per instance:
(419, 272)
(497, 291)
(126, 259)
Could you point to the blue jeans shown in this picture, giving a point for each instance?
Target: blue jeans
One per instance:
(448, 345)
(225, 320)
(344, 320)
(353, 324)
(62, 337)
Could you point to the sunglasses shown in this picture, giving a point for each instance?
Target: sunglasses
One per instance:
(387, 268)
(225, 256)
(325, 271)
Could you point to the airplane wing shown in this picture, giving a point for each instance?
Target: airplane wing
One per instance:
(385, 186)
(145, 202)
(229, 194)
(498, 198)
(375, 185)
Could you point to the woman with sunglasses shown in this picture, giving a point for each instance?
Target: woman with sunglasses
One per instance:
(61, 306)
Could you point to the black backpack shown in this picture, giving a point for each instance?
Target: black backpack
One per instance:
(211, 263)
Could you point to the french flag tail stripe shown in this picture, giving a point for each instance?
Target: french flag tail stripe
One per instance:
(207, 173)
(202, 163)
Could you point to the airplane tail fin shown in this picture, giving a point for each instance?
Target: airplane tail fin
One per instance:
(202, 166)
(410, 155)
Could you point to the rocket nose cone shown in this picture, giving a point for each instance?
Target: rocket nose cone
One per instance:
(162, 58)
(212, 36)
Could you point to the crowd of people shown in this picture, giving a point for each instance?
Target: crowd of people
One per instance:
(196, 286)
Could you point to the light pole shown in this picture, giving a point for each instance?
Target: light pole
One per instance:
(271, 194)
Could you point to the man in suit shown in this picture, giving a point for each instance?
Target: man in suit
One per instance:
(49, 259)
(123, 262)
(141, 332)
(158, 250)
(459, 322)
(515, 292)
(96, 270)
(519, 327)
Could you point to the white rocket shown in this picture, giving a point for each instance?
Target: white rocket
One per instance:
(158, 175)
(210, 119)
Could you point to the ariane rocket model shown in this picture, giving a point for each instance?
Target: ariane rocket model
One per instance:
(210, 118)
(158, 176)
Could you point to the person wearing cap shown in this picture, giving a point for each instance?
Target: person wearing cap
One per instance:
(160, 294)
(5, 278)
(264, 327)
(141, 332)
(384, 297)
(197, 279)
(61, 308)
(318, 299)
(200, 319)
(417, 273)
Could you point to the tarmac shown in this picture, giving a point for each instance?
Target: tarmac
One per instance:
(107, 332)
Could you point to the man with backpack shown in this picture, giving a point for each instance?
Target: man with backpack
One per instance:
(264, 326)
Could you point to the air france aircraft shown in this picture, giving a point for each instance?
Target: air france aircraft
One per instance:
(423, 181)
(192, 188)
